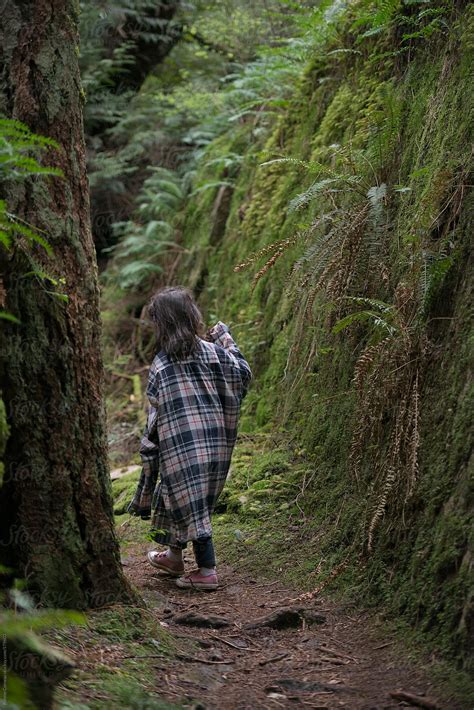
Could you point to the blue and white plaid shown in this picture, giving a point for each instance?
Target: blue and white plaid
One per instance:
(189, 437)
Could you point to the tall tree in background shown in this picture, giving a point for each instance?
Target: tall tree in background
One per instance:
(56, 522)
(121, 45)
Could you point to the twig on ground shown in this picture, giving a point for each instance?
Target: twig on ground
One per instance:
(233, 645)
(334, 661)
(273, 659)
(418, 700)
(338, 654)
(183, 657)
(267, 584)
(155, 655)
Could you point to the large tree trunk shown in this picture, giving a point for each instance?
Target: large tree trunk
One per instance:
(56, 521)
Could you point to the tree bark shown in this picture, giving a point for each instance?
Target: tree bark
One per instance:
(56, 519)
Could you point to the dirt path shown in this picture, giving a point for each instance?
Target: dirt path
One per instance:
(330, 658)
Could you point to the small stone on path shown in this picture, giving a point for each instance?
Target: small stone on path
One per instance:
(207, 622)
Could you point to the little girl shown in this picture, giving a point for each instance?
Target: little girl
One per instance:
(195, 388)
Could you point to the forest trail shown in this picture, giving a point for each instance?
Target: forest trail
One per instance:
(330, 658)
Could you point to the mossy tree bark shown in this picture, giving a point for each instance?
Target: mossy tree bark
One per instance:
(56, 520)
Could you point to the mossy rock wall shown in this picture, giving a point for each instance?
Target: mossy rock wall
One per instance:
(403, 120)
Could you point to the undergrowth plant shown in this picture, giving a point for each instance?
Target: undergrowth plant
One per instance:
(416, 19)
(387, 381)
(346, 255)
(344, 241)
(20, 152)
(345, 264)
(144, 238)
(222, 73)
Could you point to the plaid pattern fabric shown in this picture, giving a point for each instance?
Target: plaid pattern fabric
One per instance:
(189, 437)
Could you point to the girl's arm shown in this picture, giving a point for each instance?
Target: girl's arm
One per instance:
(149, 445)
(149, 453)
(220, 334)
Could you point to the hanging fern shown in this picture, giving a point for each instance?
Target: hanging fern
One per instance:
(327, 185)
(20, 153)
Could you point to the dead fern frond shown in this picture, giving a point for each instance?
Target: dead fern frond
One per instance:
(268, 265)
(414, 439)
(335, 572)
(310, 303)
(390, 474)
(366, 360)
(279, 246)
(386, 381)
(332, 259)
(381, 505)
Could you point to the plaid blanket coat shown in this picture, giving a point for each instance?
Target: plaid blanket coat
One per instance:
(189, 437)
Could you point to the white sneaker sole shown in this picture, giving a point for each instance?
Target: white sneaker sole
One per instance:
(209, 587)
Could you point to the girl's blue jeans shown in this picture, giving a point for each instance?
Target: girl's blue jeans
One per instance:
(203, 551)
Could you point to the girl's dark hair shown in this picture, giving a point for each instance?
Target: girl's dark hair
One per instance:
(178, 321)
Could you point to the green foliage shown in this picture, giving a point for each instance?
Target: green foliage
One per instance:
(203, 87)
(381, 316)
(15, 625)
(19, 152)
(20, 629)
(12, 227)
(418, 18)
(143, 240)
(321, 186)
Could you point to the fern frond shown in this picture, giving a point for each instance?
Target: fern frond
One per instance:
(304, 198)
(310, 167)
(381, 506)
(274, 247)
(363, 316)
(372, 302)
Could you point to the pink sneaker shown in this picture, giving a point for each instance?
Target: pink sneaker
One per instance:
(161, 561)
(196, 580)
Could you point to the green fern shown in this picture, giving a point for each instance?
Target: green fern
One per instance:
(381, 326)
(327, 185)
(312, 166)
(378, 15)
(148, 235)
(133, 274)
(20, 152)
